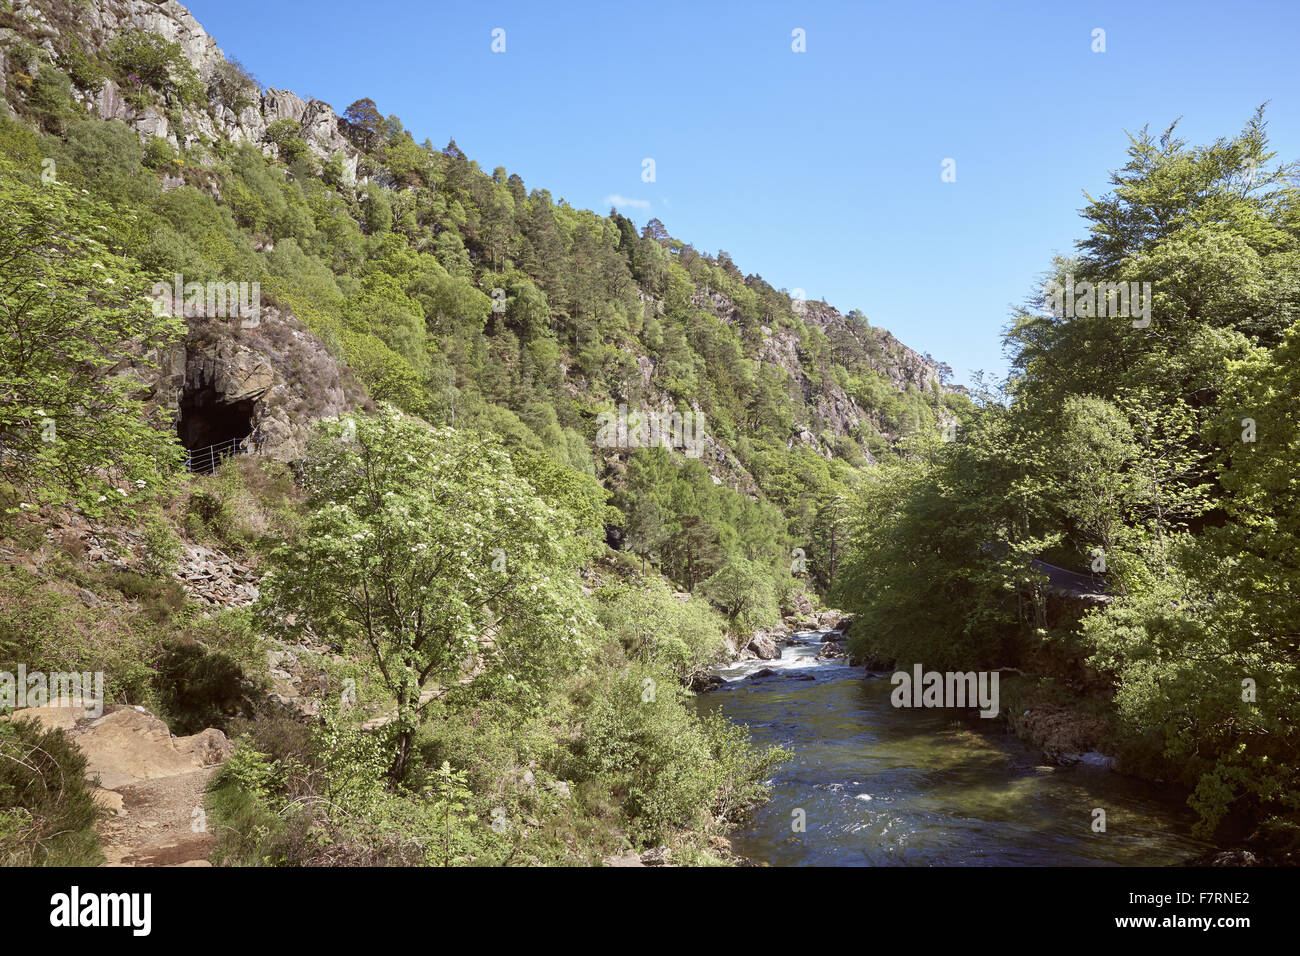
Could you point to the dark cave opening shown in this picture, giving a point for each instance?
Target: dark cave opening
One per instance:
(204, 420)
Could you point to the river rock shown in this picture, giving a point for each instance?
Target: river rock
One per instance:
(829, 619)
(1092, 758)
(704, 683)
(764, 646)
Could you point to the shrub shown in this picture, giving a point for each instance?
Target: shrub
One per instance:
(162, 548)
(286, 134)
(674, 770)
(199, 689)
(47, 813)
(50, 99)
(654, 627)
(240, 800)
(158, 153)
(160, 599)
(50, 630)
(156, 63)
(82, 68)
(233, 85)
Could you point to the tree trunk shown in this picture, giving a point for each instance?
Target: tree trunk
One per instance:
(398, 770)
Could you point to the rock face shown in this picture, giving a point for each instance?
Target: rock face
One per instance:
(1065, 736)
(833, 413)
(129, 745)
(244, 120)
(279, 375)
(853, 343)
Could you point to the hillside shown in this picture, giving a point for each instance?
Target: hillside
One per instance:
(399, 510)
(638, 319)
(673, 440)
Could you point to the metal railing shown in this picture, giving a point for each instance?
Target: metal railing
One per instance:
(205, 460)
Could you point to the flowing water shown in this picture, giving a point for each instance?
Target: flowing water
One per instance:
(880, 785)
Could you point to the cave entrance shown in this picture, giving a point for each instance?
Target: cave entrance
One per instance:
(210, 428)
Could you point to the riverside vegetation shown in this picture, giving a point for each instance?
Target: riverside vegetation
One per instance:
(1164, 455)
(529, 609)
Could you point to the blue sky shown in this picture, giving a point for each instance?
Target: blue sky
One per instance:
(819, 170)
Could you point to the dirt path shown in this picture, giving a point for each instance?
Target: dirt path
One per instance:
(151, 783)
(158, 824)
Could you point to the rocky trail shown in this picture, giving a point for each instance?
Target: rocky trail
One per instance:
(151, 784)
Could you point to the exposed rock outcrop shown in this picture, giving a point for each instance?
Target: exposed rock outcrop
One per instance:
(200, 124)
(280, 369)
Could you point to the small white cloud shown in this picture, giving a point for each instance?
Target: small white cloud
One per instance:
(617, 200)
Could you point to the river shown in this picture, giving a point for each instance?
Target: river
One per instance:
(880, 785)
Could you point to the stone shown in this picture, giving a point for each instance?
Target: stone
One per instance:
(208, 747)
(763, 646)
(51, 718)
(704, 683)
(657, 857)
(127, 746)
(109, 800)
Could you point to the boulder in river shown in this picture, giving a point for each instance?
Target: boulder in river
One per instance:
(764, 646)
(829, 620)
(703, 683)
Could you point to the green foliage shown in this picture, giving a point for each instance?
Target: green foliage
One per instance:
(198, 689)
(39, 625)
(82, 67)
(143, 59)
(655, 627)
(746, 592)
(232, 84)
(47, 813)
(50, 99)
(692, 526)
(1160, 456)
(423, 548)
(162, 548)
(74, 426)
(159, 154)
(286, 135)
(239, 804)
(400, 278)
(674, 770)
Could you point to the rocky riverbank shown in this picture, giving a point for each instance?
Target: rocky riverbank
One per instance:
(771, 644)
